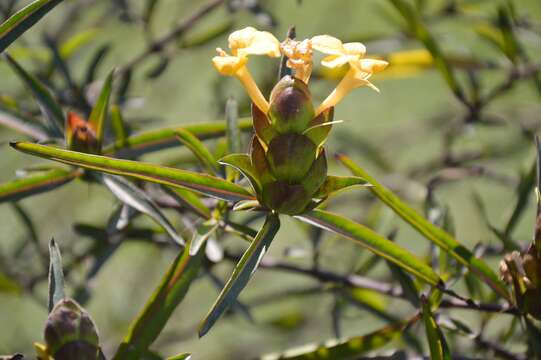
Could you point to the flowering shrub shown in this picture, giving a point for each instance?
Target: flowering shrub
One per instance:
(89, 132)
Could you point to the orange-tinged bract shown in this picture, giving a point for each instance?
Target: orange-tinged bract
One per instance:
(287, 155)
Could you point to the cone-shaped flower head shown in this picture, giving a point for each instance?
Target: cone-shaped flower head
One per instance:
(523, 272)
(288, 166)
(70, 333)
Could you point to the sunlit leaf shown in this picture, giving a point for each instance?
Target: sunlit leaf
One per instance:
(201, 183)
(131, 195)
(347, 349)
(372, 241)
(334, 184)
(153, 140)
(242, 272)
(201, 235)
(56, 275)
(433, 233)
(198, 149)
(159, 308)
(35, 183)
(23, 20)
(99, 111)
(439, 350)
(243, 164)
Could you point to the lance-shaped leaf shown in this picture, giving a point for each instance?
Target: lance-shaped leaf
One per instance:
(56, 275)
(374, 242)
(153, 140)
(36, 183)
(347, 349)
(151, 321)
(205, 184)
(198, 149)
(184, 356)
(99, 111)
(242, 272)
(49, 107)
(439, 350)
(202, 234)
(243, 163)
(132, 196)
(23, 20)
(119, 127)
(334, 184)
(433, 233)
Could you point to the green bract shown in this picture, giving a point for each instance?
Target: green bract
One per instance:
(287, 157)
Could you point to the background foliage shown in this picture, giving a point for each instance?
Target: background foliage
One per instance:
(451, 134)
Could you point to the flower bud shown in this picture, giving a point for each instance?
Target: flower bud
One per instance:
(80, 135)
(70, 333)
(291, 108)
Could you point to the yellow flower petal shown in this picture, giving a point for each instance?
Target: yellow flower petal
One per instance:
(355, 48)
(250, 41)
(371, 65)
(241, 38)
(328, 45)
(334, 61)
(228, 65)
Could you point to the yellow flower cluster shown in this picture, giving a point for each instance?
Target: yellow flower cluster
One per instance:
(250, 41)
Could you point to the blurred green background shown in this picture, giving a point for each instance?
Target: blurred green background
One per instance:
(403, 125)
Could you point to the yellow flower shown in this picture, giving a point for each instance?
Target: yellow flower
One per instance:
(299, 57)
(244, 42)
(357, 76)
(360, 69)
(339, 53)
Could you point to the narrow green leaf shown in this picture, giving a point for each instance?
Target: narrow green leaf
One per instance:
(201, 235)
(35, 183)
(525, 186)
(201, 183)
(99, 111)
(243, 163)
(433, 233)
(23, 20)
(242, 272)
(159, 308)
(180, 357)
(372, 241)
(132, 196)
(52, 112)
(439, 350)
(348, 349)
(198, 149)
(56, 275)
(334, 184)
(119, 127)
(153, 140)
